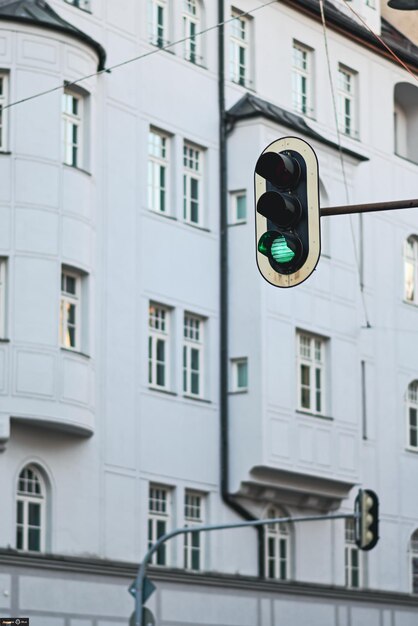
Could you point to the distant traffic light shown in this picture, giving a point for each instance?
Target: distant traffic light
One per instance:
(366, 509)
(287, 212)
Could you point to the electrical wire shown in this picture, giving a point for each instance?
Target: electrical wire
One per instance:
(139, 57)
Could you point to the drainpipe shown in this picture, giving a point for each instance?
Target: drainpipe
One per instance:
(224, 361)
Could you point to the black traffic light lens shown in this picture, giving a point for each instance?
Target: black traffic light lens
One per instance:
(281, 170)
(283, 210)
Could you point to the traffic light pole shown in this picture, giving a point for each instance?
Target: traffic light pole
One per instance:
(368, 208)
(139, 582)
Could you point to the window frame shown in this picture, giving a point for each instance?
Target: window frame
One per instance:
(26, 499)
(193, 172)
(4, 100)
(235, 363)
(71, 299)
(299, 95)
(155, 335)
(192, 344)
(157, 519)
(192, 22)
(73, 150)
(314, 364)
(278, 536)
(158, 194)
(194, 543)
(235, 197)
(347, 124)
(158, 31)
(412, 406)
(411, 260)
(240, 44)
(352, 552)
(3, 296)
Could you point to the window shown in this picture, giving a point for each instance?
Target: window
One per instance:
(239, 49)
(72, 111)
(158, 521)
(192, 183)
(193, 516)
(239, 374)
(302, 79)
(277, 548)
(81, 4)
(414, 561)
(371, 3)
(158, 155)
(412, 410)
(157, 22)
(30, 510)
(3, 115)
(193, 355)
(411, 266)
(158, 346)
(70, 310)
(353, 573)
(311, 354)
(2, 298)
(238, 207)
(346, 96)
(191, 26)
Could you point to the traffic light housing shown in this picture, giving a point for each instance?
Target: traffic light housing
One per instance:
(288, 240)
(366, 511)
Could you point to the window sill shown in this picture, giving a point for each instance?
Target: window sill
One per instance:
(79, 8)
(4, 340)
(71, 351)
(328, 418)
(5, 152)
(190, 397)
(411, 303)
(78, 169)
(168, 216)
(236, 392)
(411, 449)
(404, 158)
(238, 223)
(168, 392)
(197, 226)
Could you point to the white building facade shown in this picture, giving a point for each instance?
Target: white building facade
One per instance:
(149, 377)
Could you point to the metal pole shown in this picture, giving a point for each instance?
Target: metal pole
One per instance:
(139, 581)
(367, 208)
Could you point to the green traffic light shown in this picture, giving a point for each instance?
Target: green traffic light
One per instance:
(280, 251)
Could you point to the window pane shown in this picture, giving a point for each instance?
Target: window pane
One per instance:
(34, 514)
(241, 207)
(242, 375)
(34, 539)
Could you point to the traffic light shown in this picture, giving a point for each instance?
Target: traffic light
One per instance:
(288, 241)
(366, 511)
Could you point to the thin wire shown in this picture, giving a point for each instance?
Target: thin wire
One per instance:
(395, 56)
(138, 58)
(340, 150)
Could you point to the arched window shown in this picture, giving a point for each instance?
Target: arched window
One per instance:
(414, 561)
(277, 547)
(411, 267)
(30, 510)
(412, 414)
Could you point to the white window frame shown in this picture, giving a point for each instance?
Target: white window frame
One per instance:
(194, 516)
(302, 58)
(411, 270)
(353, 563)
(3, 297)
(191, 26)
(80, 4)
(158, 171)
(73, 128)
(33, 496)
(158, 28)
(347, 98)
(412, 415)
(236, 363)
(277, 548)
(193, 347)
(159, 318)
(413, 547)
(192, 184)
(74, 300)
(4, 100)
(236, 197)
(159, 521)
(239, 49)
(311, 358)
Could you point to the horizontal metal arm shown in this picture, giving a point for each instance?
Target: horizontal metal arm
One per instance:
(367, 208)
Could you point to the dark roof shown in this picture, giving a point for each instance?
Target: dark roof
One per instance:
(39, 13)
(400, 44)
(250, 106)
